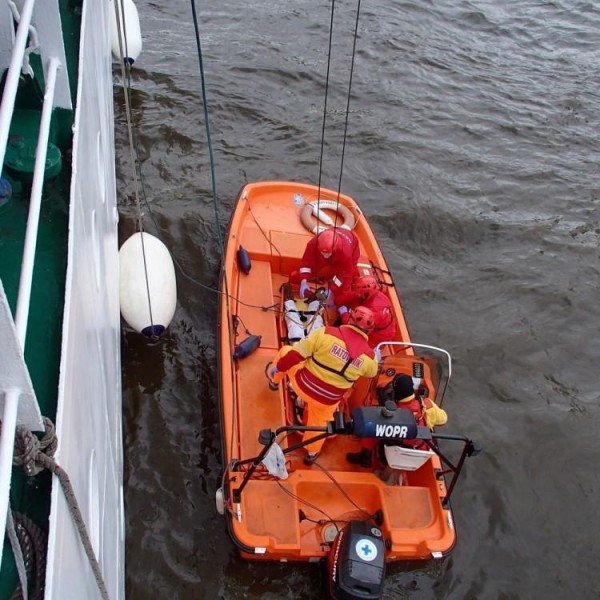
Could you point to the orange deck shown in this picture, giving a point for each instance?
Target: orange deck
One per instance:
(294, 519)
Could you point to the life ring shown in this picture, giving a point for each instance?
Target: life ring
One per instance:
(315, 209)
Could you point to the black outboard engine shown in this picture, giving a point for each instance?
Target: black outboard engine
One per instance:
(356, 564)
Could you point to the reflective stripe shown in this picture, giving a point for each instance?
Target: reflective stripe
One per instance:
(305, 270)
(316, 389)
(336, 281)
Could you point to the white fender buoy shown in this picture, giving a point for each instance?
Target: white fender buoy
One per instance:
(130, 30)
(147, 284)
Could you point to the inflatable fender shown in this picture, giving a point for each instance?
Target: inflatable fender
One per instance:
(147, 284)
(131, 35)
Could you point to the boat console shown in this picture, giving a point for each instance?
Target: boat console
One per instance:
(386, 423)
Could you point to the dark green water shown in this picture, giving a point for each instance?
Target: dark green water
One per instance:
(473, 146)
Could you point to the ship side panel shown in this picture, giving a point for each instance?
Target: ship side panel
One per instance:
(89, 407)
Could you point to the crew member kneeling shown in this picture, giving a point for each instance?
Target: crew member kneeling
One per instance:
(333, 255)
(324, 366)
(366, 291)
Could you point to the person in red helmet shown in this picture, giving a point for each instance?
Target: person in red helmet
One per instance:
(362, 317)
(324, 366)
(366, 291)
(333, 255)
(427, 414)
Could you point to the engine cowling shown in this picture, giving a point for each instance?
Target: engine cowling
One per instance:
(356, 563)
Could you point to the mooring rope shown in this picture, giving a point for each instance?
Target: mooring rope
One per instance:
(29, 452)
(137, 173)
(17, 553)
(32, 543)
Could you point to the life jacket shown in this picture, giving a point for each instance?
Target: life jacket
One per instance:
(355, 344)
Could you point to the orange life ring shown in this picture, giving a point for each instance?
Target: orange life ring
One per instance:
(315, 209)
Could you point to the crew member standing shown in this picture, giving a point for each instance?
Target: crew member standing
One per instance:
(324, 366)
(333, 255)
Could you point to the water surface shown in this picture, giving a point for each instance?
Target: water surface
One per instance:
(473, 148)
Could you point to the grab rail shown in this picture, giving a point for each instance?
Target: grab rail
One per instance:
(13, 395)
(427, 347)
(12, 79)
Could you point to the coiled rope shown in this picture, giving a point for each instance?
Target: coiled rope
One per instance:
(35, 455)
(29, 543)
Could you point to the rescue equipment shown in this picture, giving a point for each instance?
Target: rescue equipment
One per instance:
(246, 347)
(316, 209)
(243, 259)
(271, 516)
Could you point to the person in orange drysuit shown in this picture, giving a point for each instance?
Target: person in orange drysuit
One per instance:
(366, 291)
(333, 255)
(324, 366)
(427, 414)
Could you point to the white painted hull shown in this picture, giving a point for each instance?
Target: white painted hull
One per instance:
(89, 408)
(88, 418)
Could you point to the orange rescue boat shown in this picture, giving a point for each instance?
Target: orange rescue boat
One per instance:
(354, 519)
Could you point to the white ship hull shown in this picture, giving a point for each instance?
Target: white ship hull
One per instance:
(88, 417)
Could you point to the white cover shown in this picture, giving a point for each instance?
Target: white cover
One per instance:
(406, 459)
(274, 460)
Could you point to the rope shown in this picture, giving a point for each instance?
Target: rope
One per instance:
(355, 37)
(339, 190)
(32, 543)
(207, 128)
(325, 102)
(17, 553)
(223, 274)
(139, 179)
(28, 452)
(126, 74)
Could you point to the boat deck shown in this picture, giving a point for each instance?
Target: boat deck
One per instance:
(297, 518)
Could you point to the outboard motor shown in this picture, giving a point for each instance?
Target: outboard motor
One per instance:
(356, 564)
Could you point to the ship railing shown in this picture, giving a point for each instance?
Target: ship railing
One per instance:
(20, 403)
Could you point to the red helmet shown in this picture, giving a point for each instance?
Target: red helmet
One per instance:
(365, 287)
(328, 242)
(362, 317)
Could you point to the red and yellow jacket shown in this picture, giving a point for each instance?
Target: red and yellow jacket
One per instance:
(333, 359)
